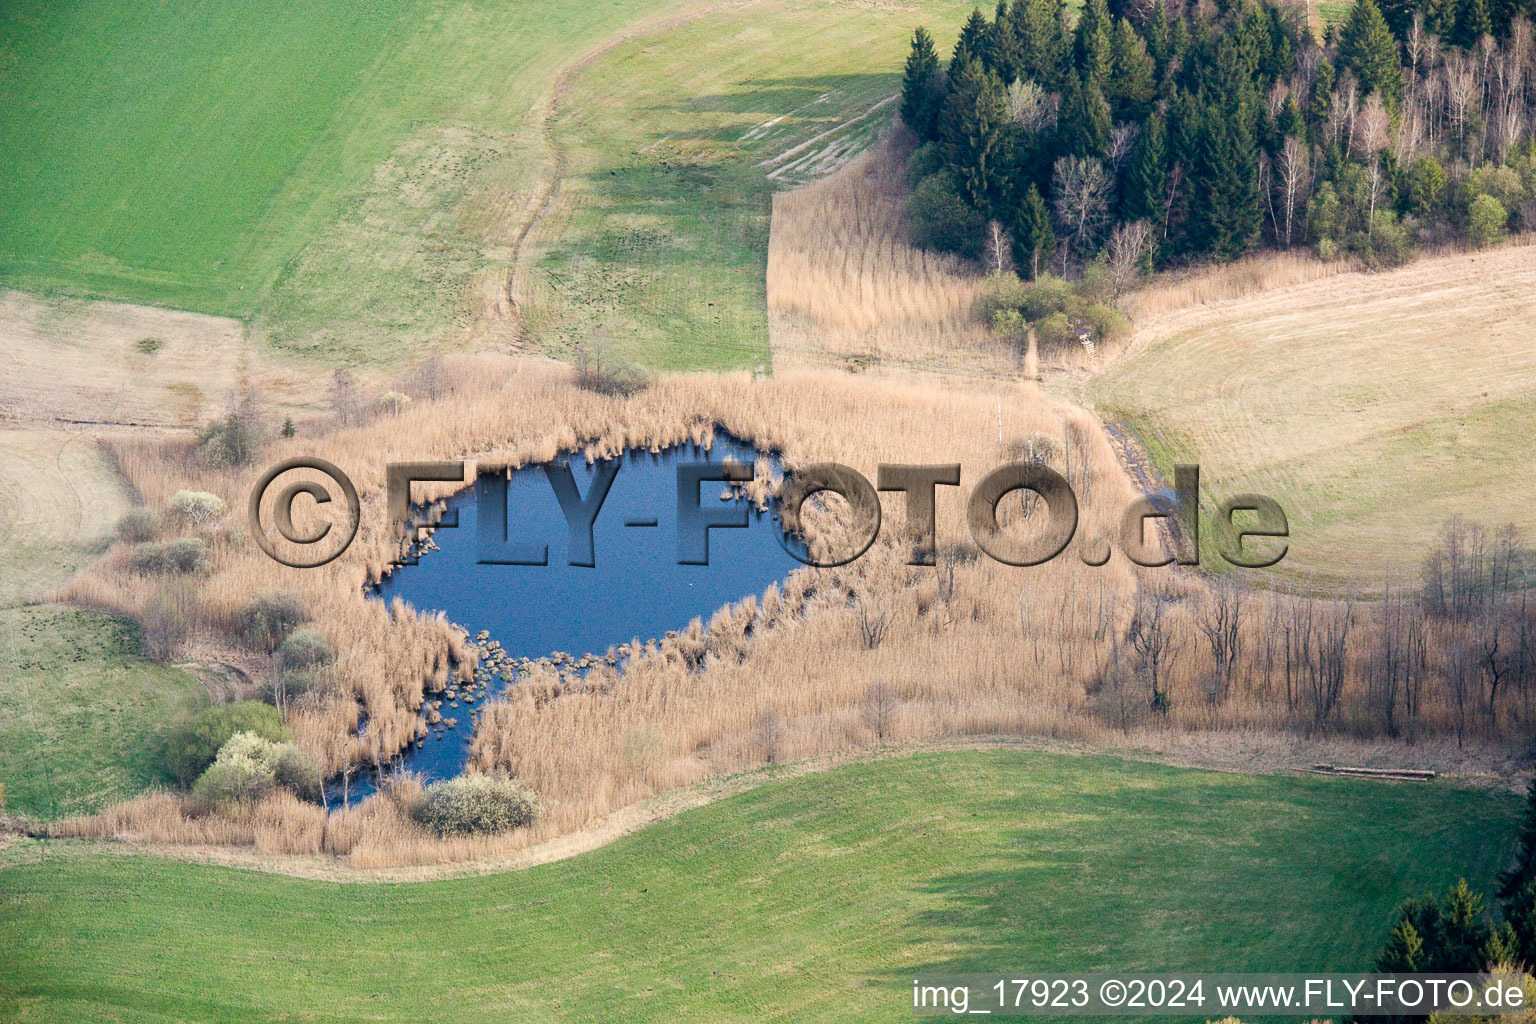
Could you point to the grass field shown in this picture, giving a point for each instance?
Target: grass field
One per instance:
(1371, 406)
(673, 145)
(330, 170)
(81, 704)
(810, 899)
(356, 180)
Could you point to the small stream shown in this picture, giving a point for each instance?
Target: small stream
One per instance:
(635, 590)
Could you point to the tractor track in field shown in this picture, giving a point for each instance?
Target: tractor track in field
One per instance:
(547, 111)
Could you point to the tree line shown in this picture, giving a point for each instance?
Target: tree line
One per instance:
(1147, 133)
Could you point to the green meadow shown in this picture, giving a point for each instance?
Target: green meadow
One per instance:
(82, 705)
(353, 178)
(814, 898)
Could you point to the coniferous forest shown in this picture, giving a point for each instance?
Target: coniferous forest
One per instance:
(1156, 132)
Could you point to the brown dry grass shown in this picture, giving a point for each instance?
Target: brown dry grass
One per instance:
(1371, 405)
(80, 361)
(846, 289)
(60, 496)
(975, 648)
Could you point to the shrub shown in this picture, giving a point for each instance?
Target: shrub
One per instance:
(941, 220)
(599, 370)
(138, 526)
(1105, 322)
(305, 649)
(249, 767)
(1055, 329)
(266, 619)
(191, 748)
(180, 557)
(476, 805)
(1001, 292)
(1049, 294)
(197, 507)
(297, 772)
(149, 346)
(233, 781)
(926, 160)
(1387, 244)
(1486, 218)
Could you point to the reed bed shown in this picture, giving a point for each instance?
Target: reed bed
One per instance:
(846, 288)
(832, 660)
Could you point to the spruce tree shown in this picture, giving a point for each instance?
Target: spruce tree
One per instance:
(1003, 53)
(1033, 239)
(1472, 23)
(975, 129)
(1520, 913)
(1091, 44)
(1085, 121)
(1367, 48)
(1464, 930)
(1292, 122)
(920, 96)
(1156, 31)
(1404, 951)
(1146, 182)
(1042, 42)
(1224, 215)
(972, 42)
(1133, 77)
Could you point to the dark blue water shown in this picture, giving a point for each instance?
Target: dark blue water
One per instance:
(635, 589)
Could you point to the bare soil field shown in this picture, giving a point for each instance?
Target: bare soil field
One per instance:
(77, 362)
(1371, 405)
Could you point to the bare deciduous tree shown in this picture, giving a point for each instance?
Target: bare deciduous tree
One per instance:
(881, 705)
(1080, 197)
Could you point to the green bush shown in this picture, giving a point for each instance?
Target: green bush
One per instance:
(250, 767)
(925, 161)
(1104, 322)
(1486, 218)
(941, 220)
(297, 772)
(233, 781)
(266, 619)
(138, 525)
(305, 649)
(1386, 245)
(191, 748)
(476, 805)
(999, 293)
(1055, 330)
(1049, 294)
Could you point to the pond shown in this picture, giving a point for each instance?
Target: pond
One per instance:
(635, 588)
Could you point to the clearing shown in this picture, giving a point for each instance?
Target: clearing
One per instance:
(847, 881)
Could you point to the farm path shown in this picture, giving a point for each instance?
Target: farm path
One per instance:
(546, 112)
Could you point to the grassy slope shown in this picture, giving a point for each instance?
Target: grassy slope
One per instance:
(1371, 406)
(80, 705)
(347, 176)
(662, 237)
(812, 899)
(324, 168)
